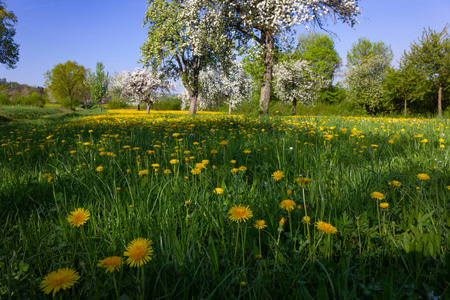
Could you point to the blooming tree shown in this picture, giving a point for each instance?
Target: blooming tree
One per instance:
(295, 82)
(367, 63)
(269, 22)
(141, 85)
(232, 87)
(184, 36)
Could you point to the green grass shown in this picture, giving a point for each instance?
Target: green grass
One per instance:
(26, 113)
(50, 169)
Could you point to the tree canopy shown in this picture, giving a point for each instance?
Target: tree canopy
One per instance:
(66, 81)
(430, 58)
(9, 50)
(318, 49)
(98, 82)
(367, 63)
(183, 38)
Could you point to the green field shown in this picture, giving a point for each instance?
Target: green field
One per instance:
(199, 187)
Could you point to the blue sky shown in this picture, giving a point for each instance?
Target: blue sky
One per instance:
(86, 31)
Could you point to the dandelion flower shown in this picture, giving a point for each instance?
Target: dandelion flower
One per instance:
(218, 191)
(174, 161)
(57, 280)
(303, 180)
(240, 213)
(384, 205)
(287, 205)
(395, 183)
(143, 172)
(377, 195)
(111, 263)
(242, 168)
(78, 217)
(139, 252)
(277, 175)
(260, 224)
(423, 176)
(326, 227)
(187, 202)
(282, 221)
(99, 169)
(306, 220)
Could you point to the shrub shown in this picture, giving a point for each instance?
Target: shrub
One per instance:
(116, 103)
(4, 100)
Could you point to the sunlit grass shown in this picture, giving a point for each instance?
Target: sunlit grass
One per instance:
(76, 192)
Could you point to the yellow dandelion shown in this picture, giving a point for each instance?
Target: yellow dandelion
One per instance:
(78, 217)
(218, 191)
(240, 213)
(167, 171)
(196, 171)
(242, 168)
(423, 176)
(139, 252)
(377, 195)
(174, 161)
(233, 161)
(213, 151)
(289, 192)
(187, 202)
(448, 187)
(277, 175)
(143, 172)
(395, 183)
(384, 205)
(111, 263)
(287, 205)
(73, 151)
(303, 180)
(199, 166)
(59, 280)
(260, 224)
(306, 220)
(234, 170)
(155, 165)
(282, 221)
(99, 169)
(247, 151)
(223, 143)
(326, 227)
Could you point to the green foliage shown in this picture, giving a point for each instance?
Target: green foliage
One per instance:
(9, 50)
(115, 103)
(67, 83)
(4, 100)
(332, 94)
(318, 49)
(98, 84)
(167, 102)
(430, 60)
(367, 63)
(32, 100)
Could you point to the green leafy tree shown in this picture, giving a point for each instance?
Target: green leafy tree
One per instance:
(318, 50)
(67, 83)
(430, 58)
(98, 82)
(9, 50)
(367, 63)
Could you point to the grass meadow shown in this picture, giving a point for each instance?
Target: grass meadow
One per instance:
(169, 206)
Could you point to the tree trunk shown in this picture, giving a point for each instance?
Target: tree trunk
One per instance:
(193, 92)
(267, 76)
(139, 107)
(405, 105)
(294, 107)
(100, 103)
(229, 108)
(148, 107)
(440, 101)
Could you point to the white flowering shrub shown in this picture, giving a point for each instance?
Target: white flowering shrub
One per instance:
(217, 87)
(141, 85)
(296, 83)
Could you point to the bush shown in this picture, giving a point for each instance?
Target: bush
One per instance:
(116, 103)
(4, 100)
(167, 103)
(65, 102)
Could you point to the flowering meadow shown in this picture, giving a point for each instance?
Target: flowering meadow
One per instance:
(169, 206)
